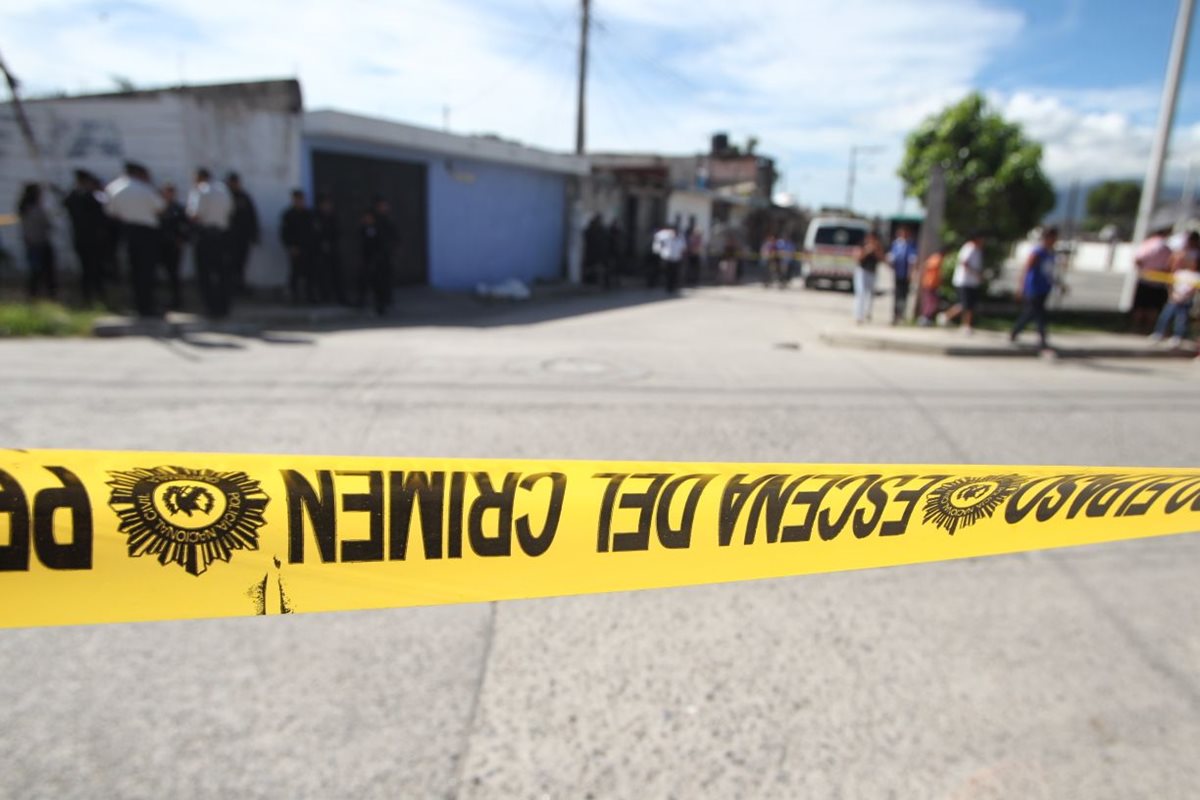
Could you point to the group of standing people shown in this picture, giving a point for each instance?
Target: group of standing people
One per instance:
(602, 248)
(778, 255)
(901, 256)
(677, 253)
(312, 238)
(1034, 288)
(1168, 278)
(219, 219)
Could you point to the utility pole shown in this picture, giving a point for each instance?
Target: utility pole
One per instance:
(930, 238)
(581, 105)
(1162, 137)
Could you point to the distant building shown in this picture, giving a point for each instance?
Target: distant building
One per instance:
(473, 208)
(643, 191)
(470, 209)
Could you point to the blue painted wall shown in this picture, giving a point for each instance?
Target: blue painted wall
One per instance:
(487, 222)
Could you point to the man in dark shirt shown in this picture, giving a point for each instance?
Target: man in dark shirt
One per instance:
(298, 233)
(243, 230)
(377, 235)
(173, 228)
(90, 233)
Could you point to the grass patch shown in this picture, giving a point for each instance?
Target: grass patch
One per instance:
(45, 319)
(1061, 321)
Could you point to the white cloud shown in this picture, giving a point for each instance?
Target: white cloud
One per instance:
(1089, 145)
(809, 79)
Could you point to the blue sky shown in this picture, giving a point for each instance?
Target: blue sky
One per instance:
(808, 78)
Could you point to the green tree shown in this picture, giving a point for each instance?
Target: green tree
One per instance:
(994, 178)
(1114, 203)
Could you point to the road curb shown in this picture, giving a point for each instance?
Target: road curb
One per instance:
(860, 341)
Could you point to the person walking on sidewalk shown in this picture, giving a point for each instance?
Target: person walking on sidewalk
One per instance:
(1036, 284)
(968, 280)
(869, 256)
(1186, 276)
(903, 259)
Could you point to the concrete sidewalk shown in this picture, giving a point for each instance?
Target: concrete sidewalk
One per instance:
(955, 342)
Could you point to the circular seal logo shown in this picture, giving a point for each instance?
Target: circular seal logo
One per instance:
(964, 501)
(190, 517)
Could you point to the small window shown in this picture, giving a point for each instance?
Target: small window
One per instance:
(840, 236)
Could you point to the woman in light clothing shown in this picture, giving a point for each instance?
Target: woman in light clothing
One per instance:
(869, 256)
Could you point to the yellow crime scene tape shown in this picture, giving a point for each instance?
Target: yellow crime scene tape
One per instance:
(92, 537)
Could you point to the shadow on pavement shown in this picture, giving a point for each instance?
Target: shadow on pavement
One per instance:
(417, 307)
(428, 308)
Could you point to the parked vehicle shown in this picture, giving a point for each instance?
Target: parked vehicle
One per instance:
(830, 248)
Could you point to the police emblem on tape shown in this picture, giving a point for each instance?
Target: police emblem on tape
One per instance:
(189, 517)
(962, 502)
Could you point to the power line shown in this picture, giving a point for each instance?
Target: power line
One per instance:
(509, 70)
(651, 62)
(632, 85)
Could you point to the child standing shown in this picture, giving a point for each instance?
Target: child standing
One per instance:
(1183, 288)
(931, 281)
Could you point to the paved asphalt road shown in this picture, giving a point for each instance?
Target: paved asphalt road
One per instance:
(1045, 675)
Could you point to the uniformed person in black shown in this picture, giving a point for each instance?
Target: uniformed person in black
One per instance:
(174, 229)
(298, 232)
(243, 230)
(329, 255)
(377, 236)
(91, 230)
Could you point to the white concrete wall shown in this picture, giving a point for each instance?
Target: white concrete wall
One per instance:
(171, 133)
(1088, 256)
(1095, 274)
(684, 205)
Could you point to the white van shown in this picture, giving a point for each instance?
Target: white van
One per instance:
(830, 248)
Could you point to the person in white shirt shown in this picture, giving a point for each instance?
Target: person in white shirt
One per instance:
(968, 279)
(135, 203)
(670, 245)
(209, 207)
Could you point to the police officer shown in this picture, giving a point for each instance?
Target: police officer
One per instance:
(298, 232)
(134, 202)
(329, 256)
(173, 232)
(377, 236)
(90, 232)
(243, 230)
(209, 207)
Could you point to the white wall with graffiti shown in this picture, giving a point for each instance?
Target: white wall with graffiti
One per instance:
(253, 129)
